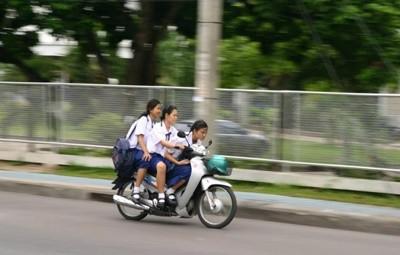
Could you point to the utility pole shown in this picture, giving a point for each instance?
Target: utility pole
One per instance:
(207, 73)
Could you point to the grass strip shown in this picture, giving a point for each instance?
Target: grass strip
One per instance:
(378, 199)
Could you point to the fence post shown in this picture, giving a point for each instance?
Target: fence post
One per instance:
(61, 115)
(297, 118)
(31, 121)
(281, 130)
(53, 112)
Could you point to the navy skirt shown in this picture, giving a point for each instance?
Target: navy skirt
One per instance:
(138, 161)
(155, 159)
(178, 173)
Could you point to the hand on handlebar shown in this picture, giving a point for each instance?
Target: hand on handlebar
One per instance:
(179, 146)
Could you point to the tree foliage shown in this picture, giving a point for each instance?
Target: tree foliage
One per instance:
(176, 56)
(344, 45)
(352, 45)
(18, 34)
(97, 26)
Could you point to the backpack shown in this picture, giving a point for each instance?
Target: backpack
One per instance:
(122, 156)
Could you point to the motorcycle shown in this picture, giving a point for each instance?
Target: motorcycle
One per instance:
(211, 199)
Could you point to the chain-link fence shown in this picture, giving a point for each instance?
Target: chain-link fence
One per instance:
(312, 127)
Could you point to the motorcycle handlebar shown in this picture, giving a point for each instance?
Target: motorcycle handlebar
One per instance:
(196, 154)
(189, 153)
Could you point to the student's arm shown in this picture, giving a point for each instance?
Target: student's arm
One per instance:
(158, 137)
(140, 132)
(171, 145)
(146, 154)
(173, 160)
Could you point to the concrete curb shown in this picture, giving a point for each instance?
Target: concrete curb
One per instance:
(53, 189)
(246, 208)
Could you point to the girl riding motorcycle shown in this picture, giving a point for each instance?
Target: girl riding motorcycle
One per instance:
(179, 174)
(158, 143)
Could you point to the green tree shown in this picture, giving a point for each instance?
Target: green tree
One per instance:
(346, 45)
(155, 16)
(97, 26)
(16, 38)
(241, 63)
(176, 60)
(350, 45)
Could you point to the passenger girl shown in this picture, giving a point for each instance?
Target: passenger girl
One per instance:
(141, 131)
(158, 143)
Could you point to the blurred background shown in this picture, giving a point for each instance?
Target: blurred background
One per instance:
(349, 46)
(280, 66)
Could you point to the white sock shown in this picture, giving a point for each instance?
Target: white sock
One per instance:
(161, 195)
(170, 191)
(136, 189)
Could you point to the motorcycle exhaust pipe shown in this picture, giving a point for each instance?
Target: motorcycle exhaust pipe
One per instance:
(126, 202)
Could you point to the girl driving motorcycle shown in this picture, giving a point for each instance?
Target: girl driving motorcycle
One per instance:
(179, 174)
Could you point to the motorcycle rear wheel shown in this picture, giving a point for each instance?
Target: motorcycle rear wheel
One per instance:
(225, 209)
(127, 212)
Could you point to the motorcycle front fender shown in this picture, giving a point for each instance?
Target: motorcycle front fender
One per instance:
(207, 182)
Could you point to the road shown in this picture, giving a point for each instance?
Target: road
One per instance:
(43, 225)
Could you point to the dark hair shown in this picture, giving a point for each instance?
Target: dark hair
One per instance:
(198, 124)
(168, 110)
(150, 106)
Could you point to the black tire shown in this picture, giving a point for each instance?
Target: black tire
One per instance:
(128, 212)
(202, 203)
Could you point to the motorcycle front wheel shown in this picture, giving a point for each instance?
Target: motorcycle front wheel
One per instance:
(221, 211)
(129, 213)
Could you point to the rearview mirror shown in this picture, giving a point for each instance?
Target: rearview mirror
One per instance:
(181, 134)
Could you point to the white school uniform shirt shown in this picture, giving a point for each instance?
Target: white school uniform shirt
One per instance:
(143, 125)
(159, 133)
(178, 140)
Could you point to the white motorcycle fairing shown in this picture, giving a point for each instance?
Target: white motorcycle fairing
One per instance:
(207, 182)
(198, 171)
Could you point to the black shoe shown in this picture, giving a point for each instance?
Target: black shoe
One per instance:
(172, 199)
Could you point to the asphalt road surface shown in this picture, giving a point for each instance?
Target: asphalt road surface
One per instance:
(33, 225)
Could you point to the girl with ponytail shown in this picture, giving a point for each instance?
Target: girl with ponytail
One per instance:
(138, 135)
(180, 173)
(158, 143)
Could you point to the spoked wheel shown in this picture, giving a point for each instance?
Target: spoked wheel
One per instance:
(222, 209)
(126, 211)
